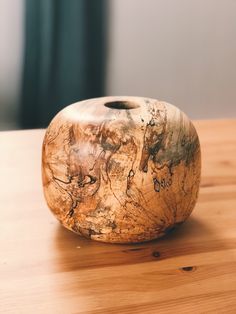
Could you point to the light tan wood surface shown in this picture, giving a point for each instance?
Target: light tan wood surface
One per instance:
(45, 268)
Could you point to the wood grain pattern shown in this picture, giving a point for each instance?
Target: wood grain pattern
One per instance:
(45, 268)
(121, 169)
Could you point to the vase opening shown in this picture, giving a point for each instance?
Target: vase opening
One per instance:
(121, 104)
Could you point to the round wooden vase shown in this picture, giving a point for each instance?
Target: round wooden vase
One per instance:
(121, 169)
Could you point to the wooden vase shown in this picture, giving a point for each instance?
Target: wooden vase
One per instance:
(121, 169)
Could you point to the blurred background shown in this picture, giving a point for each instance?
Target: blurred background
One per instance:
(56, 52)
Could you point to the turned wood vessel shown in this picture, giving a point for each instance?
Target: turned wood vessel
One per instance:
(121, 169)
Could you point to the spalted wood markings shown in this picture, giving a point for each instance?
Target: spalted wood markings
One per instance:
(121, 169)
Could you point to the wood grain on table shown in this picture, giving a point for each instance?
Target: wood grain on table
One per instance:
(45, 268)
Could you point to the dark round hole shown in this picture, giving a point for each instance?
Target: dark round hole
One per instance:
(156, 254)
(121, 105)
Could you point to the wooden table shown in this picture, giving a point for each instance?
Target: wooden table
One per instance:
(46, 269)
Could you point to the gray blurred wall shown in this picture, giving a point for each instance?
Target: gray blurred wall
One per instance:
(11, 52)
(181, 51)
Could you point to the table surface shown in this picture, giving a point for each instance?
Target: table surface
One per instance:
(45, 268)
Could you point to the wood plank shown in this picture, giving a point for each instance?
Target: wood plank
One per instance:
(44, 268)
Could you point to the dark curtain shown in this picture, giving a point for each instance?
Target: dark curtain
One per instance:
(64, 59)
